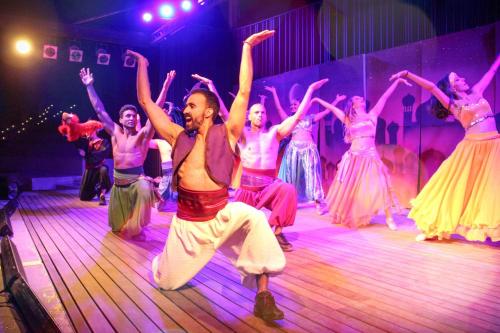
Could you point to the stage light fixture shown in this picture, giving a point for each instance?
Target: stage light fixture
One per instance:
(23, 46)
(147, 17)
(103, 57)
(129, 61)
(186, 5)
(50, 51)
(167, 11)
(201, 2)
(75, 54)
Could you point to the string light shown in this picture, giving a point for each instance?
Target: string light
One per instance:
(22, 127)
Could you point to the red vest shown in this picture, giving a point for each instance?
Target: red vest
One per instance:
(219, 157)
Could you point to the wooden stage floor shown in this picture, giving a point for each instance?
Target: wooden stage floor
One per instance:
(337, 279)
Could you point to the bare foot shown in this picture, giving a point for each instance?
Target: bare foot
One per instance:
(390, 223)
(421, 237)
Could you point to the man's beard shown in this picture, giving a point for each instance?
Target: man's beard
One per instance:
(193, 124)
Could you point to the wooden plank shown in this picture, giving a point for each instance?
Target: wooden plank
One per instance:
(88, 308)
(76, 318)
(131, 251)
(151, 251)
(366, 280)
(86, 274)
(127, 297)
(248, 316)
(110, 245)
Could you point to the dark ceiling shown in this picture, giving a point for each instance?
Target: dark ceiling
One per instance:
(120, 19)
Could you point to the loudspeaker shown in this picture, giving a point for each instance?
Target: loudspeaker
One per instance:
(10, 319)
(11, 263)
(33, 313)
(5, 227)
(50, 51)
(10, 207)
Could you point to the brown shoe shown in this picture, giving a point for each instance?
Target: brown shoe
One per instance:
(285, 245)
(265, 307)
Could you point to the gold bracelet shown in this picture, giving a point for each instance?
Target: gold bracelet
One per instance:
(245, 42)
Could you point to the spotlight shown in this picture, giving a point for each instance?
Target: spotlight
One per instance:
(103, 57)
(23, 46)
(75, 54)
(50, 51)
(129, 61)
(147, 17)
(201, 2)
(186, 5)
(167, 11)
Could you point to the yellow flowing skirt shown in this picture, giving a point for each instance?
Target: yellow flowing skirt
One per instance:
(463, 195)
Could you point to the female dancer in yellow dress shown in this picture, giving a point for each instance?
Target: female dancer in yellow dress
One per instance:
(462, 196)
(361, 187)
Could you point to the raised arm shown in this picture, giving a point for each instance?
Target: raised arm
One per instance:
(237, 114)
(287, 126)
(161, 122)
(331, 107)
(485, 81)
(224, 114)
(160, 101)
(320, 115)
(379, 106)
(88, 80)
(162, 97)
(283, 115)
(426, 84)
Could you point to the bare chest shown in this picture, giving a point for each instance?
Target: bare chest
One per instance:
(258, 148)
(128, 143)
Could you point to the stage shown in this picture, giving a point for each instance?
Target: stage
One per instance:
(367, 280)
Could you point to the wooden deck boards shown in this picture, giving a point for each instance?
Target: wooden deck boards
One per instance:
(339, 280)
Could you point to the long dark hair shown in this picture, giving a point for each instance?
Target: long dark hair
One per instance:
(349, 114)
(439, 110)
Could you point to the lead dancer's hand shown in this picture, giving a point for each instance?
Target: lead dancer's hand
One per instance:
(137, 56)
(259, 37)
(86, 77)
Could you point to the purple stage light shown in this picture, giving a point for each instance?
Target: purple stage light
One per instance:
(147, 17)
(167, 11)
(186, 5)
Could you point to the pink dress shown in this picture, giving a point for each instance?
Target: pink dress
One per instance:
(361, 188)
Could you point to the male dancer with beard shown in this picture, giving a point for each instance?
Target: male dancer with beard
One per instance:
(203, 166)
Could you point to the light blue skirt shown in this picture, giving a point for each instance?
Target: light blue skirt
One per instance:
(301, 167)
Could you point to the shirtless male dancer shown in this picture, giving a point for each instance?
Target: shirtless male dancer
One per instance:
(203, 166)
(132, 196)
(259, 153)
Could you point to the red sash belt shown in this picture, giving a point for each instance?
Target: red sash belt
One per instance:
(200, 206)
(256, 180)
